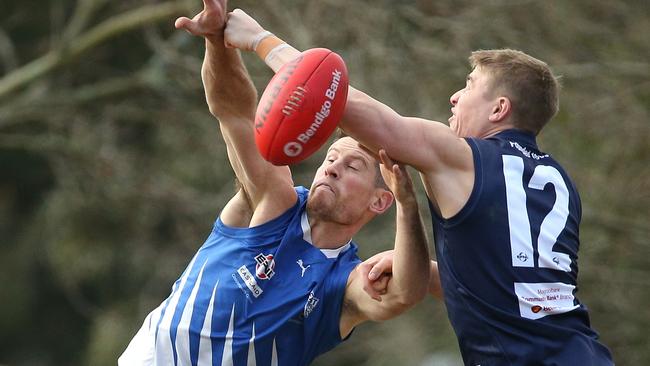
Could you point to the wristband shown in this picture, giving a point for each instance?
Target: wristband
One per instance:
(258, 38)
(274, 51)
(266, 45)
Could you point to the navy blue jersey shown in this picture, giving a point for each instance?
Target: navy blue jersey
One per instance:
(508, 261)
(251, 296)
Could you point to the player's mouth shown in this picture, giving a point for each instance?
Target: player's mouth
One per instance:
(324, 186)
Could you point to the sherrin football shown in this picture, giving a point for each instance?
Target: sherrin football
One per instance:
(301, 106)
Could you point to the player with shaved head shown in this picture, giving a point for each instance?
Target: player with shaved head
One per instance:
(275, 283)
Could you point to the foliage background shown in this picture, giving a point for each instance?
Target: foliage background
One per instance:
(112, 170)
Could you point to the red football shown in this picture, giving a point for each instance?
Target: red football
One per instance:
(301, 106)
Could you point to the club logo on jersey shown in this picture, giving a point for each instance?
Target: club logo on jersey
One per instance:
(264, 267)
(312, 301)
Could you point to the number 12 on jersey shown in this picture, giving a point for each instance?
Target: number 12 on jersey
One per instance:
(521, 243)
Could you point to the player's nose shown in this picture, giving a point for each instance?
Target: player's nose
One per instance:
(454, 97)
(332, 170)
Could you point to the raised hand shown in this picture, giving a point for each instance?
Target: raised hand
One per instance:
(396, 177)
(242, 31)
(209, 23)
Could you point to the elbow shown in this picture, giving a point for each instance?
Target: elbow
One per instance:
(404, 301)
(394, 307)
(414, 289)
(395, 303)
(414, 296)
(214, 109)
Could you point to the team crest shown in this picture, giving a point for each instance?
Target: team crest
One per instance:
(264, 267)
(312, 301)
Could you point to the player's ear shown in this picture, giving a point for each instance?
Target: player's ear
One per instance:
(501, 109)
(382, 201)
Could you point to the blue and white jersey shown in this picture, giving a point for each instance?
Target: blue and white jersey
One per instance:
(508, 261)
(251, 296)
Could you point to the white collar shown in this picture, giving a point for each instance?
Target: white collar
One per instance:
(306, 235)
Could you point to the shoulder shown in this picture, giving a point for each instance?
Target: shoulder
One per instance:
(244, 225)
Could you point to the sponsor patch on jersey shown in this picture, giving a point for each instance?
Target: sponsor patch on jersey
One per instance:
(537, 300)
(312, 301)
(264, 267)
(249, 280)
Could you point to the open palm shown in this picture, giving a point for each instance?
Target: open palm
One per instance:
(209, 22)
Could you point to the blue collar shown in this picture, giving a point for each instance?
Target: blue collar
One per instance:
(522, 137)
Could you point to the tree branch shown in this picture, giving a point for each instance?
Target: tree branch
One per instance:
(76, 47)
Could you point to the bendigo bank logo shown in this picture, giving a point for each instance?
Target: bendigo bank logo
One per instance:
(264, 267)
(536, 309)
(292, 149)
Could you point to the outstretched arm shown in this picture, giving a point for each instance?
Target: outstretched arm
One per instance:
(411, 261)
(433, 148)
(232, 98)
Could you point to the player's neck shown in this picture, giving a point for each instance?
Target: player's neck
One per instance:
(330, 235)
(495, 129)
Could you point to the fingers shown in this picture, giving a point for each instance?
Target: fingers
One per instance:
(368, 287)
(375, 273)
(186, 24)
(385, 159)
(241, 30)
(375, 276)
(381, 285)
(180, 22)
(239, 12)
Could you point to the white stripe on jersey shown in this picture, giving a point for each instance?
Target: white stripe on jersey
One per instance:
(205, 345)
(274, 356)
(251, 349)
(183, 329)
(164, 355)
(227, 347)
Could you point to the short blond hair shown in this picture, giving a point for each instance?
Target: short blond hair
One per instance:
(528, 82)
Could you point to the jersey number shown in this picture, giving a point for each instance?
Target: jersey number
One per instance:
(521, 244)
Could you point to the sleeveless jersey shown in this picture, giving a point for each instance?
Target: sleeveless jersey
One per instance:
(508, 261)
(251, 296)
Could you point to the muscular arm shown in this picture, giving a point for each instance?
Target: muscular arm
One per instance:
(409, 283)
(232, 98)
(444, 159)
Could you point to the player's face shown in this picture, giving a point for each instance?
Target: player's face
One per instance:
(472, 105)
(344, 185)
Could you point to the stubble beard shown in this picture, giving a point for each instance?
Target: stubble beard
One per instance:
(319, 208)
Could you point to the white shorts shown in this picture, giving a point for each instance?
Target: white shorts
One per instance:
(140, 351)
